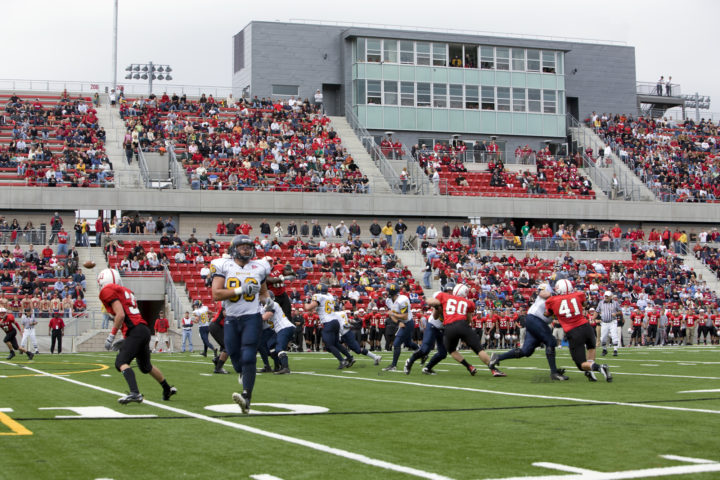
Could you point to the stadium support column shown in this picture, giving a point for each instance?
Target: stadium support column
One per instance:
(115, 40)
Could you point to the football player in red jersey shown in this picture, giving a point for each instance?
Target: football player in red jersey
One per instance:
(568, 309)
(636, 319)
(11, 328)
(653, 317)
(217, 331)
(120, 302)
(457, 314)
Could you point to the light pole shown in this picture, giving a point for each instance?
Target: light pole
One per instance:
(150, 72)
(697, 102)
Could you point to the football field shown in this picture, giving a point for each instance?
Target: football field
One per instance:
(59, 419)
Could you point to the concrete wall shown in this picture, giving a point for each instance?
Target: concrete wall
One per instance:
(605, 78)
(292, 54)
(243, 77)
(348, 206)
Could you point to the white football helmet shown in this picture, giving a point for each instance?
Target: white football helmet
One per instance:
(545, 287)
(460, 290)
(107, 277)
(563, 286)
(497, 336)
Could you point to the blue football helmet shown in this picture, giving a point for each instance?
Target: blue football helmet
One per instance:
(321, 288)
(239, 240)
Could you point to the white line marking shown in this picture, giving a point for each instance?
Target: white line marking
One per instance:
(285, 438)
(645, 473)
(563, 468)
(6, 410)
(686, 459)
(265, 476)
(524, 395)
(701, 391)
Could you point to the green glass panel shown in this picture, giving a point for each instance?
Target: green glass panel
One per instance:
(391, 117)
(533, 80)
(472, 121)
(518, 79)
(440, 75)
(487, 77)
(549, 82)
(534, 124)
(408, 120)
(390, 72)
(560, 82)
(407, 73)
(549, 125)
(424, 119)
(440, 119)
(456, 121)
(374, 117)
(502, 79)
(423, 74)
(472, 77)
(373, 70)
(519, 123)
(504, 123)
(487, 122)
(455, 75)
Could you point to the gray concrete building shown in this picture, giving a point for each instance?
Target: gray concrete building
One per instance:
(428, 86)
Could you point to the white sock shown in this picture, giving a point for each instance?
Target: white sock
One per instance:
(372, 355)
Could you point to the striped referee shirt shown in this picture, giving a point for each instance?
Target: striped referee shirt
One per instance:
(607, 311)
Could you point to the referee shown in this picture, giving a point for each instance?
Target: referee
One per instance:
(608, 310)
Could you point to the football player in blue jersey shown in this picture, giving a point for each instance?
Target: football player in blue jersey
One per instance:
(324, 304)
(433, 336)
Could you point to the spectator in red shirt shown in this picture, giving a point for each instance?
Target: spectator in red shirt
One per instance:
(162, 325)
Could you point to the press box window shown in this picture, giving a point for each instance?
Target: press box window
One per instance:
(285, 90)
(374, 93)
(391, 93)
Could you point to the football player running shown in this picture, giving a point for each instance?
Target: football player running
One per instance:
(239, 282)
(537, 332)
(568, 309)
(274, 315)
(348, 337)
(457, 311)
(433, 335)
(401, 314)
(324, 304)
(121, 304)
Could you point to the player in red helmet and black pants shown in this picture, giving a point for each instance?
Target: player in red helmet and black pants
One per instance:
(11, 328)
(217, 330)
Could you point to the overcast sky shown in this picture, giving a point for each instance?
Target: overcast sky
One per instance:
(72, 40)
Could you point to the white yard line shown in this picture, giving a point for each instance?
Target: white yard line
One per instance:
(687, 459)
(523, 395)
(285, 438)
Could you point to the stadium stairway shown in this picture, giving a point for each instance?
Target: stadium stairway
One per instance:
(378, 183)
(703, 272)
(586, 137)
(126, 176)
(414, 261)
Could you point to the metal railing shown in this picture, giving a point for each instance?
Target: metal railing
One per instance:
(368, 141)
(80, 86)
(142, 163)
(176, 169)
(172, 296)
(658, 89)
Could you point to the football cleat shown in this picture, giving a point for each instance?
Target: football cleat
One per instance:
(604, 352)
(605, 370)
(377, 359)
(131, 397)
(220, 370)
(390, 368)
(472, 370)
(342, 365)
(429, 371)
(494, 361)
(215, 360)
(498, 373)
(12, 354)
(558, 376)
(265, 369)
(244, 403)
(615, 354)
(282, 371)
(30, 355)
(169, 393)
(350, 362)
(591, 376)
(408, 367)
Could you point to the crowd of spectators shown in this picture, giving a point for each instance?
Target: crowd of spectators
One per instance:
(53, 142)
(265, 144)
(677, 160)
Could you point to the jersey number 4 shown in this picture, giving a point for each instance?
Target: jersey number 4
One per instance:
(565, 310)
